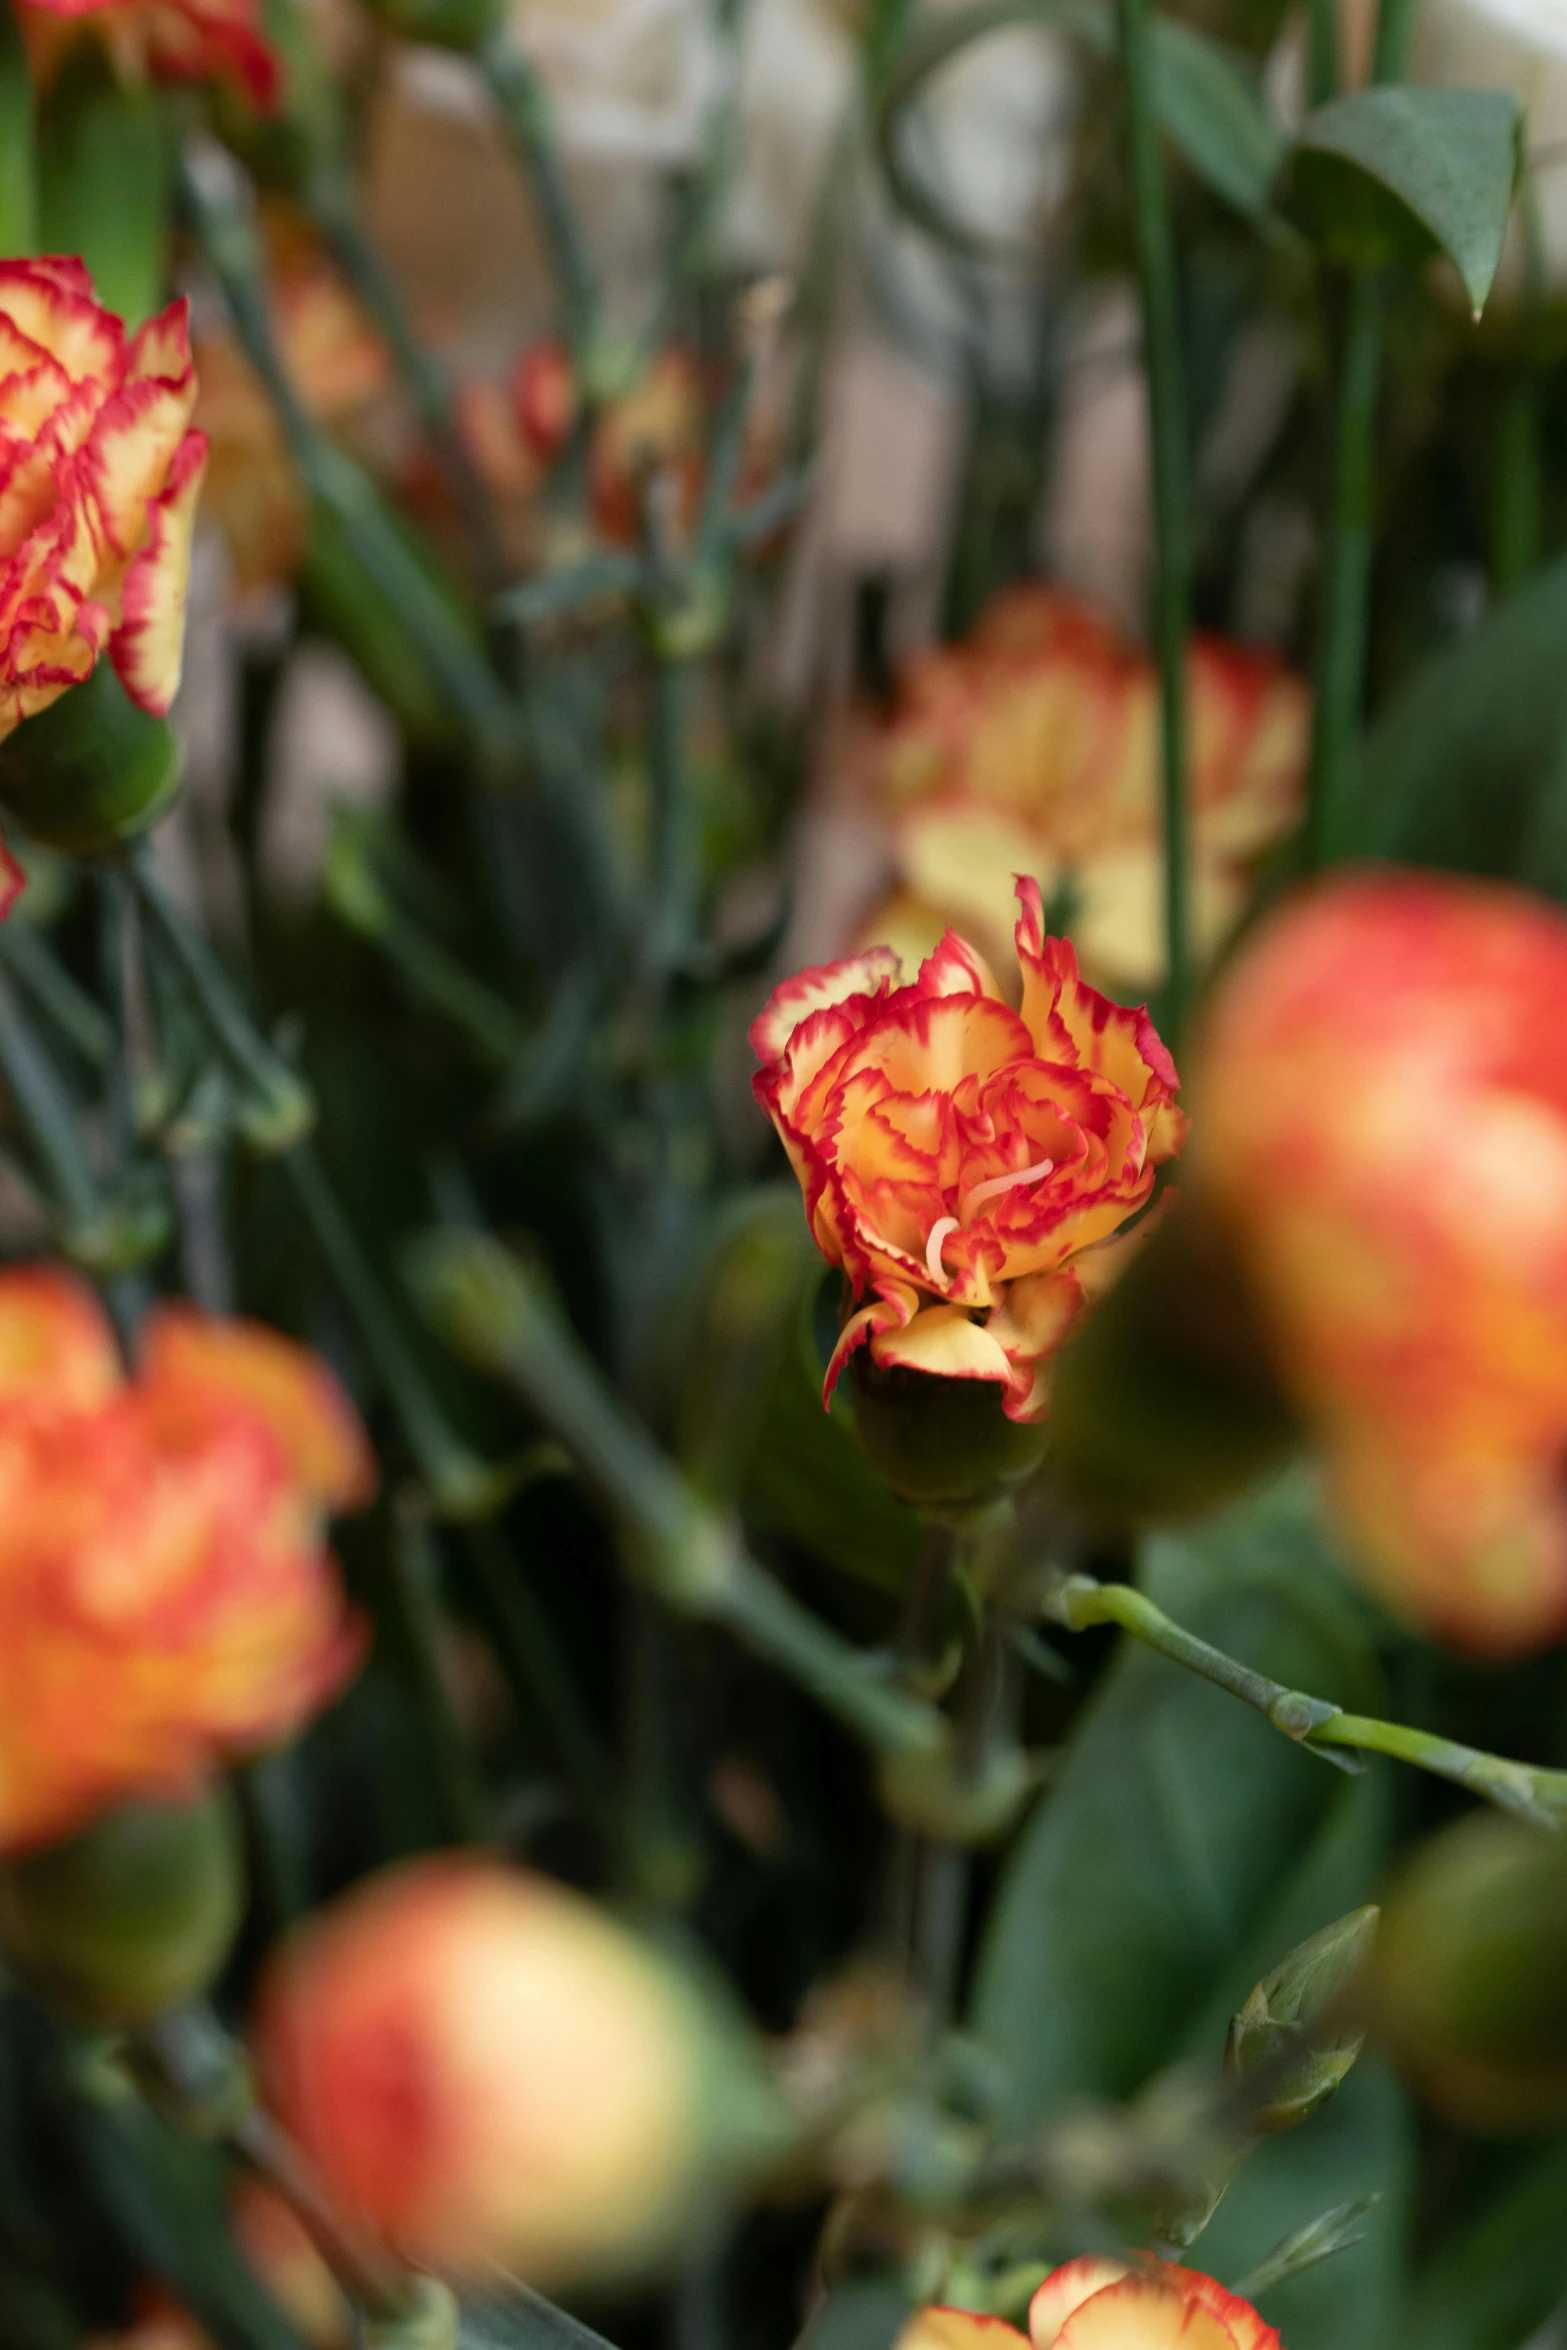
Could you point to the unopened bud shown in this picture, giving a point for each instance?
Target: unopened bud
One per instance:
(135, 1915)
(488, 2071)
(1289, 2038)
(940, 1443)
(91, 771)
(1469, 1988)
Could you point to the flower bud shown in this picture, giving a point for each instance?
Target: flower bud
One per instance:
(944, 1444)
(1468, 1987)
(1288, 2038)
(487, 2070)
(135, 1915)
(90, 771)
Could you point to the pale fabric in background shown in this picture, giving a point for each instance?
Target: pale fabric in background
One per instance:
(332, 744)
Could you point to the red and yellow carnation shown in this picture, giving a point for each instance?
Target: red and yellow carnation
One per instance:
(162, 41)
(1384, 1126)
(1098, 2303)
(486, 2071)
(970, 1165)
(99, 477)
(1034, 744)
(166, 1599)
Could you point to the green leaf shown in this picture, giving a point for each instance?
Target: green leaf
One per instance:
(1390, 173)
(105, 184)
(18, 167)
(523, 2320)
(1210, 108)
(1187, 1846)
(1491, 2284)
(1463, 769)
(1208, 103)
(864, 2313)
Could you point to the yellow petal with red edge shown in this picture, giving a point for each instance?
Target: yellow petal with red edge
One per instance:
(53, 305)
(1246, 2329)
(896, 1303)
(870, 974)
(286, 1385)
(148, 646)
(958, 2329)
(1066, 2290)
(161, 348)
(57, 1350)
(944, 1342)
(134, 448)
(1142, 2313)
(956, 968)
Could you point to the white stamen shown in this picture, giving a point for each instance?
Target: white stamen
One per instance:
(999, 1183)
(938, 1233)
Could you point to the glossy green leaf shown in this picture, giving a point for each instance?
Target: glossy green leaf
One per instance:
(523, 2320)
(863, 2313)
(105, 184)
(1385, 174)
(1187, 1845)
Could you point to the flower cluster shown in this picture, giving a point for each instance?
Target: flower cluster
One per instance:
(162, 41)
(969, 1164)
(165, 1596)
(102, 475)
(1383, 1121)
(1034, 744)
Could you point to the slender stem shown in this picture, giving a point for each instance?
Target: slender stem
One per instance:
(1346, 584)
(675, 845)
(461, 1485)
(48, 1117)
(1167, 438)
(69, 1009)
(276, 1108)
(1339, 680)
(1528, 1792)
(527, 116)
(1518, 487)
(488, 1305)
(333, 201)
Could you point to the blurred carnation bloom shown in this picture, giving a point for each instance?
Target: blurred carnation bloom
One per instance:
(167, 1598)
(161, 41)
(1102, 2304)
(1383, 1123)
(102, 478)
(1034, 744)
(487, 2071)
(970, 1165)
(337, 365)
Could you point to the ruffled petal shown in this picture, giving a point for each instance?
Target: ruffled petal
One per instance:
(872, 974)
(944, 1342)
(184, 1351)
(1140, 2313)
(956, 968)
(1067, 2290)
(148, 646)
(896, 1304)
(51, 301)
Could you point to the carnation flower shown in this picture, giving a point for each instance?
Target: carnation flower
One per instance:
(969, 1165)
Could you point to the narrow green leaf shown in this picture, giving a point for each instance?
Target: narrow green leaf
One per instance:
(1386, 173)
(105, 184)
(1334, 2230)
(18, 164)
(523, 2320)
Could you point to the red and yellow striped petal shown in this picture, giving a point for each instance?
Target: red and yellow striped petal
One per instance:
(148, 646)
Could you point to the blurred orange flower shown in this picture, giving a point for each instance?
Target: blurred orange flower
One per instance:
(1101, 2304)
(337, 365)
(165, 1596)
(101, 482)
(162, 41)
(1034, 744)
(485, 2070)
(968, 1164)
(1384, 1121)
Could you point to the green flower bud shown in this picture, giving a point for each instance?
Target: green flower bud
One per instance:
(91, 771)
(944, 1444)
(1289, 2038)
(135, 1915)
(1469, 1984)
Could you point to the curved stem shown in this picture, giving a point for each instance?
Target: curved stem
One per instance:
(1528, 1792)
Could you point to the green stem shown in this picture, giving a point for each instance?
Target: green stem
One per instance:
(461, 1485)
(1167, 436)
(48, 1118)
(276, 1109)
(675, 843)
(488, 1306)
(526, 113)
(1346, 585)
(1339, 679)
(1518, 488)
(69, 1009)
(1528, 1792)
(214, 193)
